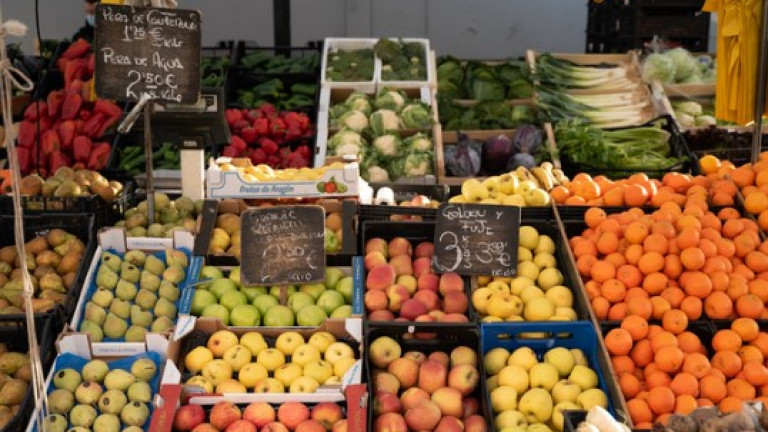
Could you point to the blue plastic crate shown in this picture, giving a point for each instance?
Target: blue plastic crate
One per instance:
(581, 335)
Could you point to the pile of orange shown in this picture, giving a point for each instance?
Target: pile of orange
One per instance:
(752, 179)
(690, 260)
(664, 369)
(639, 190)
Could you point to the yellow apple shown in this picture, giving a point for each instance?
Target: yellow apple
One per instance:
(560, 296)
(591, 398)
(321, 340)
(579, 357)
(528, 237)
(319, 370)
(498, 286)
(546, 245)
(515, 377)
(558, 419)
(342, 366)
(251, 374)
(507, 184)
(503, 398)
(480, 299)
(338, 350)
(523, 357)
(528, 269)
(288, 342)
(549, 277)
(514, 200)
(539, 309)
(536, 405)
(510, 418)
(197, 358)
(495, 360)
(271, 359)
(562, 359)
(518, 283)
(304, 384)
(269, 385)
(585, 377)
(288, 373)
(305, 354)
(254, 342)
(202, 382)
(544, 375)
(545, 260)
(531, 292)
(536, 198)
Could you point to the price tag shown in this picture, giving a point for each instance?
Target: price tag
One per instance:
(283, 245)
(147, 50)
(475, 239)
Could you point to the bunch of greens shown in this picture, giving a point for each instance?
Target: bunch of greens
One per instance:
(475, 80)
(639, 148)
(275, 92)
(401, 61)
(350, 65)
(213, 71)
(484, 115)
(602, 110)
(263, 61)
(557, 73)
(370, 129)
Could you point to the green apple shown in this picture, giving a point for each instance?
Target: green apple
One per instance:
(210, 272)
(278, 316)
(251, 292)
(346, 286)
(332, 277)
(330, 300)
(342, 312)
(234, 274)
(231, 299)
(245, 315)
(220, 286)
(298, 300)
(200, 300)
(263, 302)
(274, 291)
(315, 290)
(216, 311)
(311, 316)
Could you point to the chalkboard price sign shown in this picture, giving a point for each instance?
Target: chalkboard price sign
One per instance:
(147, 50)
(475, 239)
(283, 245)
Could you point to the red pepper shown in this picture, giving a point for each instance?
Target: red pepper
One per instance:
(258, 157)
(82, 148)
(108, 123)
(78, 166)
(76, 49)
(239, 125)
(71, 106)
(293, 133)
(248, 134)
(296, 160)
(61, 64)
(45, 123)
(50, 142)
(75, 70)
(85, 114)
(107, 107)
(67, 134)
(261, 125)
(233, 115)
(285, 152)
(57, 160)
(32, 110)
(273, 161)
(22, 154)
(27, 134)
(238, 143)
(99, 156)
(79, 126)
(330, 187)
(269, 146)
(90, 65)
(55, 99)
(92, 126)
(75, 87)
(278, 127)
(268, 110)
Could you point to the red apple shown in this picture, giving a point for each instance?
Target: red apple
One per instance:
(412, 308)
(397, 295)
(375, 300)
(412, 397)
(454, 317)
(223, 414)
(471, 407)
(390, 422)
(427, 281)
(274, 427)
(376, 245)
(241, 426)
(188, 417)
(399, 246)
(451, 282)
(402, 265)
(327, 413)
(416, 356)
(310, 426)
(448, 400)
(441, 357)
(424, 250)
(475, 423)
(259, 413)
(455, 302)
(374, 259)
(432, 375)
(405, 370)
(428, 298)
(423, 416)
(464, 378)
(386, 382)
(340, 426)
(422, 266)
(381, 315)
(292, 413)
(386, 402)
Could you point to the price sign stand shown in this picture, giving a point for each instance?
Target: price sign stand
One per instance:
(475, 239)
(283, 245)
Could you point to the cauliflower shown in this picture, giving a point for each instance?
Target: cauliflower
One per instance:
(349, 149)
(418, 165)
(689, 107)
(376, 174)
(685, 120)
(705, 120)
(419, 143)
(389, 99)
(416, 116)
(345, 137)
(383, 121)
(359, 102)
(387, 145)
(353, 120)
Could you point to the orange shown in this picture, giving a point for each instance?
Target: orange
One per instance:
(761, 342)
(674, 321)
(685, 404)
(614, 197)
(618, 341)
(662, 339)
(688, 342)
(741, 389)
(685, 384)
(629, 275)
(755, 373)
(756, 202)
(661, 400)
(726, 340)
(622, 365)
(584, 264)
(640, 307)
(602, 271)
(639, 411)
(731, 404)
(635, 195)
(737, 288)
(594, 217)
(732, 228)
(633, 253)
(560, 194)
(674, 296)
(720, 280)
(746, 328)
(687, 237)
(636, 232)
(756, 261)
(669, 358)
(651, 262)
(749, 306)
(584, 247)
(600, 306)
(656, 242)
(762, 220)
(593, 289)
(655, 283)
(692, 258)
(588, 190)
(727, 362)
(617, 312)
(697, 365)
(672, 266)
(709, 164)
(712, 388)
(642, 353)
(607, 243)
(659, 306)
(696, 283)
(636, 326)
(636, 293)
(743, 176)
(692, 307)
(718, 305)
(575, 201)
(630, 385)
(616, 258)
(750, 353)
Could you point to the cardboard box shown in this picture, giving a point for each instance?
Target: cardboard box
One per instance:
(231, 184)
(114, 239)
(350, 332)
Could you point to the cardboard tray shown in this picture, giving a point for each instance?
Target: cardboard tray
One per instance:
(79, 225)
(114, 240)
(350, 332)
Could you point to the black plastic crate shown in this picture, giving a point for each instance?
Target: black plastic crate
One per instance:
(79, 225)
(441, 340)
(13, 333)
(406, 192)
(105, 213)
(678, 148)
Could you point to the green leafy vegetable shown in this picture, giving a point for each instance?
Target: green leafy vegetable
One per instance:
(350, 65)
(401, 61)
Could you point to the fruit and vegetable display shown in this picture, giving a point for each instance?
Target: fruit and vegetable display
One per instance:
(279, 139)
(133, 294)
(507, 80)
(349, 65)
(400, 284)
(276, 92)
(54, 260)
(400, 60)
(15, 375)
(225, 298)
(102, 396)
(170, 215)
(379, 132)
(679, 66)
(521, 187)
(252, 363)
(485, 115)
(261, 416)
(496, 155)
(417, 390)
(536, 293)
(527, 388)
(68, 182)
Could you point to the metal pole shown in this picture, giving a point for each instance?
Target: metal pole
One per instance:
(282, 22)
(757, 136)
(148, 155)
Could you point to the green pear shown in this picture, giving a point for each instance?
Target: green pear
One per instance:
(106, 278)
(125, 290)
(135, 334)
(136, 257)
(177, 257)
(161, 325)
(174, 273)
(118, 379)
(106, 423)
(169, 291)
(112, 401)
(120, 308)
(154, 265)
(144, 369)
(332, 276)
(95, 370)
(141, 317)
(165, 308)
(95, 313)
(146, 299)
(67, 379)
(102, 297)
(156, 230)
(129, 272)
(93, 330)
(140, 391)
(114, 326)
(111, 260)
(149, 281)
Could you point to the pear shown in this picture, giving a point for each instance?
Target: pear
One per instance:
(114, 326)
(52, 282)
(140, 391)
(144, 369)
(118, 379)
(129, 272)
(163, 307)
(184, 204)
(134, 414)
(112, 401)
(69, 246)
(169, 291)
(68, 188)
(93, 330)
(102, 297)
(120, 308)
(57, 237)
(88, 392)
(146, 299)
(95, 313)
(140, 317)
(161, 325)
(106, 423)
(169, 215)
(174, 274)
(67, 379)
(36, 245)
(70, 262)
(149, 281)
(177, 257)
(60, 401)
(106, 278)
(136, 257)
(154, 265)
(55, 423)
(82, 415)
(125, 290)
(135, 221)
(14, 391)
(31, 185)
(162, 201)
(50, 186)
(47, 258)
(95, 370)
(156, 230)
(135, 333)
